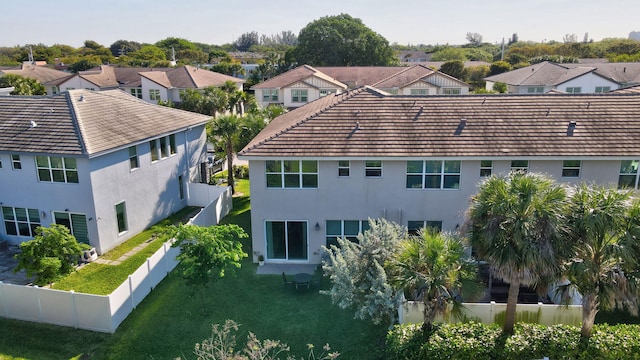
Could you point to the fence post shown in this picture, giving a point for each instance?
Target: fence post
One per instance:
(133, 301)
(39, 303)
(75, 309)
(4, 303)
(491, 312)
(149, 274)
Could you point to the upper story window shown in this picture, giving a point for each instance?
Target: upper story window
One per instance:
(601, 89)
(20, 221)
(326, 92)
(486, 167)
(16, 164)
(300, 95)
(154, 94)
(270, 95)
(173, 149)
(433, 174)
(451, 91)
(343, 168)
(294, 174)
(520, 165)
(373, 168)
(0, 163)
(419, 91)
(163, 147)
(574, 90)
(571, 168)
(54, 90)
(535, 90)
(137, 93)
(628, 174)
(57, 169)
(133, 158)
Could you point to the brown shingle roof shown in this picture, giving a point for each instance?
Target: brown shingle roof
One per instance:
(41, 73)
(83, 122)
(366, 123)
(189, 77)
(293, 76)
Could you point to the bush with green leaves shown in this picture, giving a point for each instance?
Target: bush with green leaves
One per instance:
(530, 341)
(52, 254)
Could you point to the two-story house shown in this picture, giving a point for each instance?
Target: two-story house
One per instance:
(305, 84)
(105, 164)
(39, 72)
(320, 171)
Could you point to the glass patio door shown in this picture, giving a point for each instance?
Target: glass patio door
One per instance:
(286, 240)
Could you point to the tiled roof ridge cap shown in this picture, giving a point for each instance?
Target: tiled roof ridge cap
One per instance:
(407, 68)
(69, 95)
(343, 97)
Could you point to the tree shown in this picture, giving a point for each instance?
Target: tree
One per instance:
(207, 252)
(148, 56)
(52, 254)
(450, 53)
(84, 63)
(570, 38)
(124, 47)
(455, 68)
(499, 67)
(474, 39)
(227, 129)
(342, 40)
(476, 75)
(358, 276)
(435, 269)
(247, 40)
(602, 228)
(22, 85)
(514, 224)
(500, 87)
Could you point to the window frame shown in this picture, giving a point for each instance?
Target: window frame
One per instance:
(524, 169)
(121, 217)
(633, 175)
(134, 160)
(427, 170)
(31, 224)
(413, 230)
(484, 168)
(451, 91)
(299, 95)
(574, 89)
(16, 163)
(326, 92)
(344, 170)
(419, 91)
(137, 92)
(602, 89)
(282, 173)
(154, 94)
(331, 239)
(67, 170)
(74, 227)
(371, 169)
(535, 90)
(571, 170)
(269, 95)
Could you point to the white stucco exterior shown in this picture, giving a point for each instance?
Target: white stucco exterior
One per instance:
(357, 197)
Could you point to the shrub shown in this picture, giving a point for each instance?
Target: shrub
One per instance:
(241, 171)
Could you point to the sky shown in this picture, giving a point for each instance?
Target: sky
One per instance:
(217, 22)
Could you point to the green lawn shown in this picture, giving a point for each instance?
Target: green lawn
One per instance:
(170, 320)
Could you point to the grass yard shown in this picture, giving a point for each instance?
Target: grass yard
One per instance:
(170, 320)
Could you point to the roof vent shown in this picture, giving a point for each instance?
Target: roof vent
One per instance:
(548, 111)
(81, 97)
(571, 128)
(33, 124)
(483, 100)
(461, 125)
(588, 104)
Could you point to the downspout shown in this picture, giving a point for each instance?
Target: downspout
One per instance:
(186, 164)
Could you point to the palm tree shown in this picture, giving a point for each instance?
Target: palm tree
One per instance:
(435, 269)
(514, 224)
(602, 225)
(227, 129)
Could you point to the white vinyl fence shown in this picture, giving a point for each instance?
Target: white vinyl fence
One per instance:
(489, 313)
(99, 312)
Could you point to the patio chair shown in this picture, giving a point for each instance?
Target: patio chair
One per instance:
(286, 282)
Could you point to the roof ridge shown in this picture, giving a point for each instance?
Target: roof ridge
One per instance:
(407, 68)
(75, 117)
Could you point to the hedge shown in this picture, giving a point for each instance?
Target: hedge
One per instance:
(476, 341)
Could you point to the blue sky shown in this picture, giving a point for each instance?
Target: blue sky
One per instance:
(71, 22)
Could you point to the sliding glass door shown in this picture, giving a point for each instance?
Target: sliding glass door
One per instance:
(286, 240)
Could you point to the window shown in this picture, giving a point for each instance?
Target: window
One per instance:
(292, 174)
(172, 144)
(70, 88)
(154, 94)
(163, 148)
(90, 88)
(628, 174)
(327, 92)
(76, 223)
(54, 90)
(343, 168)
(137, 93)
(20, 221)
(153, 148)
(299, 96)
(535, 90)
(373, 168)
(57, 169)
(414, 226)
(419, 91)
(0, 163)
(181, 186)
(15, 162)
(133, 158)
(451, 91)
(121, 217)
(270, 95)
(520, 165)
(392, 91)
(486, 167)
(571, 168)
(574, 90)
(433, 174)
(348, 229)
(601, 89)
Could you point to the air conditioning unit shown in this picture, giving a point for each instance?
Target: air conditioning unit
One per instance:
(89, 255)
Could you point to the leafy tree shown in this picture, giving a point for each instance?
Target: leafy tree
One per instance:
(52, 254)
(455, 68)
(189, 56)
(92, 48)
(207, 252)
(247, 40)
(208, 101)
(478, 54)
(435, 269)
(342, 40)
(84, 63)
(148, 56)
(499, 67)
(124, 47)
(500, 87)
(449, 54)
(229, 68)
(514, 224)
(476, 75)
(357, 272)
(553, 58)
(602, 228)
(227, 129)
(22, 85)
